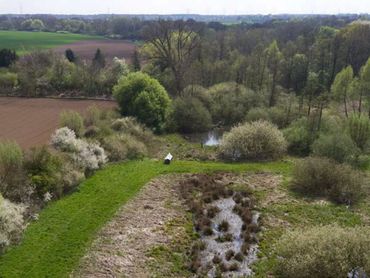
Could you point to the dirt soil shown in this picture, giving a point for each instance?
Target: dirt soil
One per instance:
(121, 247)
(109, 48)
(31, 121)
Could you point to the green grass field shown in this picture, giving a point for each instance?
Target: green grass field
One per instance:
(24, 42)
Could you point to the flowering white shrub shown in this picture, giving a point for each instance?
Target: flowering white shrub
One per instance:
(256, 140)
(11, 222)
(120, 66)
(87, 155)
(64, 139)
(90, 156)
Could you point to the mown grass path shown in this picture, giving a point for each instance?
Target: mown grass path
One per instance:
(53, 245)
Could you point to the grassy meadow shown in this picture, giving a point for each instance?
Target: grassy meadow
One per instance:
(25, 42)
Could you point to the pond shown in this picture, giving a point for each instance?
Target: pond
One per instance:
(210, 138)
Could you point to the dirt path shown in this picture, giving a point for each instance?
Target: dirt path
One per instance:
(121, 247)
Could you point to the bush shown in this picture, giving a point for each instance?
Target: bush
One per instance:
(86, 155)
(8, 81)
(92, 116)
(257, 114)
(73, 121)
(190, 115)
(143, 97)
(338, 146)
(278, 116)
(124, 146)
(256, 140)
(11, 171)
(328, 251)
(359, 130)
(230, 101)
(324, 178)
(299, 137)
(44, 170)
(11, 223)
(131, 126)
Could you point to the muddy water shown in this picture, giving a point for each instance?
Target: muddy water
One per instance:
(213, 247)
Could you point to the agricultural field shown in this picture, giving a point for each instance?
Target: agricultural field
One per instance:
(85, 49)
(83, 45)
(30, 122)
(25, 42)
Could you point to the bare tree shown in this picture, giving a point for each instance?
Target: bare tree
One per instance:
(173, 45)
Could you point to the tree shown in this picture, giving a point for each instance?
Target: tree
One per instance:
(70, 55)
(299, 72)
(136, 61)
(172, 45)
(364, 82)
(99, 59)
(274, 58)
(143, 97)
(33, 25)
(323, 58)
(341, 86)
(312, 89)
(7, 57)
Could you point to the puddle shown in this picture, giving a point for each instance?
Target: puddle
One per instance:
(214, 247)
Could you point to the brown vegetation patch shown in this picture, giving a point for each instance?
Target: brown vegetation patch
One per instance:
(122, 246)
(30, 122)
(110, 48)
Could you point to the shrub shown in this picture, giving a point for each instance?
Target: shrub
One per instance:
(338, 146)
(124, 146)
(143, 97)
(11, 223)
(44, 170)
(92, 115)
(131, 126)
(299, 137)
(278, 116)
(230, 101)
(257, 114)
(71, 177)
(324, 178)
(73, 121)
(190, 115)
(11, 170)
(359, 130)
(256, 140)
(89, 156)
(8, 81)
(328, 251)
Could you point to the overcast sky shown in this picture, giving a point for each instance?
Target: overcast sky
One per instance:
(184, 6)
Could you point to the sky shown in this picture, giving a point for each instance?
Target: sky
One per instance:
(227, 7)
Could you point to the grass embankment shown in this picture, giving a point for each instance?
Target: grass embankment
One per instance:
(53, 245)
(25, 42)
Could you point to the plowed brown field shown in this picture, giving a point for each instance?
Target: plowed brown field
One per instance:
(109, 48)
(30, 122)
